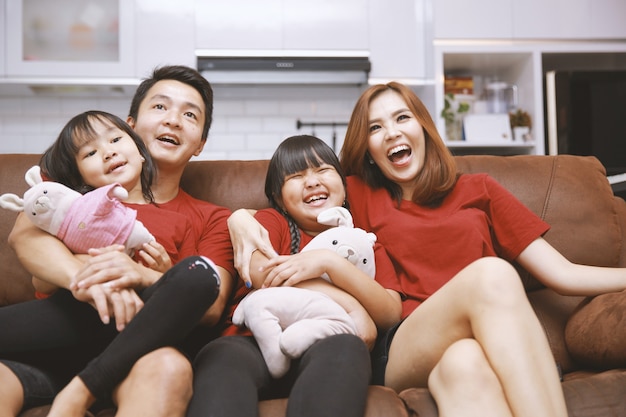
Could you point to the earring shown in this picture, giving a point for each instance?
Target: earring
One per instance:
(370, 160)
(143, 159)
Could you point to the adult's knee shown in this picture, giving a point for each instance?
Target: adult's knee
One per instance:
(165, 373)
(462, 367)
(165, 364)
(495, 281)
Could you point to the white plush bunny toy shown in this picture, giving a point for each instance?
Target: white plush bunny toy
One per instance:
(82, 221)
(286, 321)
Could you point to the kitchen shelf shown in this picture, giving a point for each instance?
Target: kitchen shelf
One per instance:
(519, 62)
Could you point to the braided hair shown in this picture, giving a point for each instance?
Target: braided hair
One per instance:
(295, 154)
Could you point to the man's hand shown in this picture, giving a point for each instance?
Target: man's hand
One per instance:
(112, 267)
(247, 235)
(122, 304)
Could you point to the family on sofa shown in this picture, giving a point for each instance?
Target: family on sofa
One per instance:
(446, 310)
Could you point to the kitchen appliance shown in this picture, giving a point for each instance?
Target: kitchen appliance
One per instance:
(585, 115)
(284, 67)
(501, 97)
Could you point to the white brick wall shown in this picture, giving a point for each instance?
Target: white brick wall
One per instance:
(248, 122)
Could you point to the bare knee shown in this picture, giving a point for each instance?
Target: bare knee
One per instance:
(11, 392)
(463, 368)
(495, 281)
(463, 382)
(165, 373)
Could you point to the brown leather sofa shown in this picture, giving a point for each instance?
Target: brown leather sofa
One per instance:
(570, 193)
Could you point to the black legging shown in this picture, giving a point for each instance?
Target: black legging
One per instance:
(173, 306)
(330, 379)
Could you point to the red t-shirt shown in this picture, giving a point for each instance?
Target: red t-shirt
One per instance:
(280, 236)
(172, 230)
(187, 226)
(208, 222)
(428, 246)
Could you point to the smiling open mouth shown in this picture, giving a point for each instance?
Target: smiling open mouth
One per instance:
(316, 197)
(398, 153)
(168, 140)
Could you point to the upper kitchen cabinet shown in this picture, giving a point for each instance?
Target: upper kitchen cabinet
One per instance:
(69, 38)
(2, 37)
(164, 35)
(282, 25)
(478, 19)
(401, 41)
(564, 19)
(530, 19)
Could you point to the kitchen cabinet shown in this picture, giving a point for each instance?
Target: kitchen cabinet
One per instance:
(478, 19)
(282, 25)
(2, 37)
(164, 34)
(69, 38)
(564, 19)
(400, 41)
(508, 62)
(530, 19)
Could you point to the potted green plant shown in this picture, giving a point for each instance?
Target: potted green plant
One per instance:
(521, 123)
(452, 113)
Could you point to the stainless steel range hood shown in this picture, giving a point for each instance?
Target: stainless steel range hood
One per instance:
(284, 67)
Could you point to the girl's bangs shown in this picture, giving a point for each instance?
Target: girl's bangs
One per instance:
(301, 160)
(84, 132)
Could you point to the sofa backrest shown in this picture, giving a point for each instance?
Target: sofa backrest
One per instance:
(571, 193)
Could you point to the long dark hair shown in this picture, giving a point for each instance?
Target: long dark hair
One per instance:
(439, 174)
(295, 154)
(58, 162)
(185, 75)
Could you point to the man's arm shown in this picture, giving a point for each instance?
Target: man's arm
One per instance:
(42, 254)
(53, 265)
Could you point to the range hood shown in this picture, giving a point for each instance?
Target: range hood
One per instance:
(284, 67)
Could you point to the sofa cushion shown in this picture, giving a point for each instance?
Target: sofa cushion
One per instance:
(595, 334)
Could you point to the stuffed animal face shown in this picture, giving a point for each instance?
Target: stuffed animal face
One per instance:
(353, 244)
(45, 203)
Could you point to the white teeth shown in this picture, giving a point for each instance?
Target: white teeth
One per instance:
(396, 149)
(316, 197)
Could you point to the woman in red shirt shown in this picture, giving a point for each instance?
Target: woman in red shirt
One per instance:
(452, 239)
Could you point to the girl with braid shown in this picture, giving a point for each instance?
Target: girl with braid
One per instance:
(331, 377)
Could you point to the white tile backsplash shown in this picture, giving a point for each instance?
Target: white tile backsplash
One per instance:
(248, 122)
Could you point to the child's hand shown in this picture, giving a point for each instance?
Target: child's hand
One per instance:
(288, 270)
(154, 256)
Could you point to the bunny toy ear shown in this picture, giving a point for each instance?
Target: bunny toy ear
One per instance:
(335, 216)
(11, 202)
(33, 176)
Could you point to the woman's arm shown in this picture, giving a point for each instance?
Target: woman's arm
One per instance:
(247, 236)
(550, 267)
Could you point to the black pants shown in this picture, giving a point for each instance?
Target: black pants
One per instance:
(64, 337)
(330, 379)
